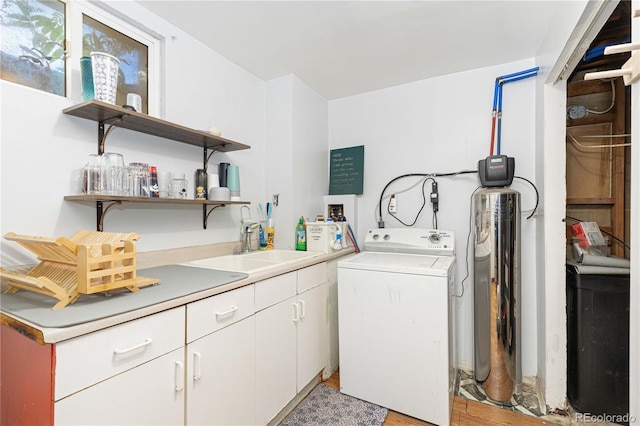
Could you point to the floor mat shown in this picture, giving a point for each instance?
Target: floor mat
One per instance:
(327, 406)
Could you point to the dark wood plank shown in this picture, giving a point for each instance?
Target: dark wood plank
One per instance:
(99, 111)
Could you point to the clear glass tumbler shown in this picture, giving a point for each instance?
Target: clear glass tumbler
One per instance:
(112, 173)
(139, 180)
(178, 188)
(92, 172)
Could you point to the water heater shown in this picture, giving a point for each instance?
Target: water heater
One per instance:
(497, 357)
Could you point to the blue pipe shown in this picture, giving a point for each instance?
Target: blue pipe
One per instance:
(499, 129)
(500, 81)
(521, 77)
(515, 74)
(599, 50)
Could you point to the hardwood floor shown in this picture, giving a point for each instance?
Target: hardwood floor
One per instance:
(465, 413)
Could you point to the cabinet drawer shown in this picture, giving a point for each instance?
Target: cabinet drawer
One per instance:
(86, 360)
(216, 312)
(275, 290)
(312, 276)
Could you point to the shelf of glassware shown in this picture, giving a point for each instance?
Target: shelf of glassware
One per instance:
(116, 116)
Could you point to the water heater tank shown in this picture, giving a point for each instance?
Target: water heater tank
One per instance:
(497, 348)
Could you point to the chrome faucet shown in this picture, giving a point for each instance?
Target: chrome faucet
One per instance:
(247, 231)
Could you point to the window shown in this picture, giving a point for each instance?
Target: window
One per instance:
(32, 44)
(33, 51)
(133, 56)
(104, 28)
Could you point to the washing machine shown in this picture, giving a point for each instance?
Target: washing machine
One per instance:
(395, 319)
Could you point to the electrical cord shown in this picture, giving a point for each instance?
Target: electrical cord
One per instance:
(613, 100)
(625, 135)
(468, 241)
(425, 175)
(537, 195)
(424, 203)
(602, 230)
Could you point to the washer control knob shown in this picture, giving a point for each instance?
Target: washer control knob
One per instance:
(435, 238)
(387, 237)
(375, 237)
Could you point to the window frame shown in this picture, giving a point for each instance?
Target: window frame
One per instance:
(119, 22)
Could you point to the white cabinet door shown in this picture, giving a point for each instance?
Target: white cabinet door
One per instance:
(290, 341)
(152, 393)
(220, 376)
(275, 358)
(312, 333)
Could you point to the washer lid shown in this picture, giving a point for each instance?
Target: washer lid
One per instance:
(415, 264)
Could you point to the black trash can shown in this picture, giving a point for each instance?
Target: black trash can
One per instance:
(598, 339)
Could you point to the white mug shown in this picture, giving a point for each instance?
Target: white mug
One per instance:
(135, 101)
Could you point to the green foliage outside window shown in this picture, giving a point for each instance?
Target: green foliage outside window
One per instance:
(32, 49)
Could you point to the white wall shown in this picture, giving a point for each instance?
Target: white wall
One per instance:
(43, 150)
(444, 125)
(297, 157)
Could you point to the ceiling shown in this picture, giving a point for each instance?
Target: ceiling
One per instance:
(342, 48)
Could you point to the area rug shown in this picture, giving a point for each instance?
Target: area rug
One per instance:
(327, 406)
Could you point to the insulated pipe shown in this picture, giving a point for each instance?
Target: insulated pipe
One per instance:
(499, 134)
(497, 103)
(494, 113)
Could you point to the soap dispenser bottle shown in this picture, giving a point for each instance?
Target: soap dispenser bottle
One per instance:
(301, 235)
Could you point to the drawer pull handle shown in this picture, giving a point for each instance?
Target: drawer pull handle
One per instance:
(230, 311)
(197, 366)
(302, 310)
(296, 317)
(146, 342)
(179, 376)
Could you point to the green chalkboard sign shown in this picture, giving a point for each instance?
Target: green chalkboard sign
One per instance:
(346, 170)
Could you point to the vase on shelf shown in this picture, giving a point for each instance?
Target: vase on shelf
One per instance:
(105, 76)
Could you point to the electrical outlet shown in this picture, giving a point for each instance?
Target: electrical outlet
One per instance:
(393, 207)
(577, 111)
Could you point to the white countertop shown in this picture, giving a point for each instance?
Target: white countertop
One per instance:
(179, 285)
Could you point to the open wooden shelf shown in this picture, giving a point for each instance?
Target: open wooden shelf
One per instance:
(151, 200)
(113, 115)
(104, 113)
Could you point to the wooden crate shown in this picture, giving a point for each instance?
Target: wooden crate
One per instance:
(88, 262)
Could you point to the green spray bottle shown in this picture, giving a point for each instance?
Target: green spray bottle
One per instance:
(301, 235)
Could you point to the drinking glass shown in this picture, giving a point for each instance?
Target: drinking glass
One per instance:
(164, 180)
(92, 183)
(139, 180)
(112, 173)
(178, 186)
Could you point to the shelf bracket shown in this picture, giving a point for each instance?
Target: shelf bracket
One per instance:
(101, 212)
(102, 134)
(208, 157)
(205, 214)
